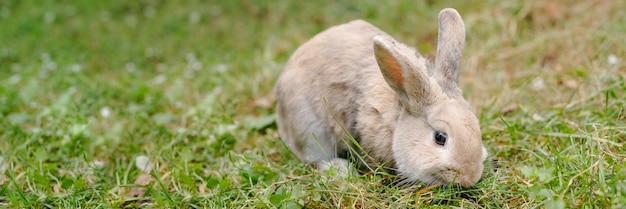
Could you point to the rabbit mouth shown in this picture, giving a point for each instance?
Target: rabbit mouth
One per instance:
(448, 178)
(404, 180)
(452, 181)
(438, 179)
(432, 179)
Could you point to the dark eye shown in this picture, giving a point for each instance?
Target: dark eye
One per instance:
(440, 138)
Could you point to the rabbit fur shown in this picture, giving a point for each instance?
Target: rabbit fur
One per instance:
(398, 105)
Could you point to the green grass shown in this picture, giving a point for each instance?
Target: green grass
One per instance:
(88, 86)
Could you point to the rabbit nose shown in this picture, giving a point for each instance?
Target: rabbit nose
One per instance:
(466, 184)
(463, 178)
(467, 180)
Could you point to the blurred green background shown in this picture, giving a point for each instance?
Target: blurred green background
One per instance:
(87, 87)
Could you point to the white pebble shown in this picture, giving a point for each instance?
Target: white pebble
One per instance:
(48, 17)
(538, 83)
(105, 112)
(221, 68)
(612, 59)
(76, 68)
(97, 164)
(14, 79)
(143, 163)
(130, 67)
(3, 165)
(160, 79)
(194, 17)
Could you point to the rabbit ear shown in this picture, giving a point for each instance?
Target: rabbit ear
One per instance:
(403, 71)
(450, 44)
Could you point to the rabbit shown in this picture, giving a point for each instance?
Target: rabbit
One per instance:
(401, 108)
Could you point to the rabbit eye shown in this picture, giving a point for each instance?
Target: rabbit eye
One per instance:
(440, 138)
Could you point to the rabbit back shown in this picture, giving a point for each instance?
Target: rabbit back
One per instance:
(325, 87)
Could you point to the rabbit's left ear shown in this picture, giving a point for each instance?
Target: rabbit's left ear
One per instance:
(450, 44)
(404, 72)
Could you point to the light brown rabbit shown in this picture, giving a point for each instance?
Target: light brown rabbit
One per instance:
(403, 109)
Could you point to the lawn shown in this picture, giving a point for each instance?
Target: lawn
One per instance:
(168, 104)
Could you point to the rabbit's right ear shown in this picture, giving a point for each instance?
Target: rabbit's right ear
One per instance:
(404, 72)
(450, 44)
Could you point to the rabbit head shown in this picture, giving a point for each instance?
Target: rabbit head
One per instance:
(437, 137)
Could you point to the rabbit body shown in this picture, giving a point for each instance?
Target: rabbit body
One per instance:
(402, 109)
